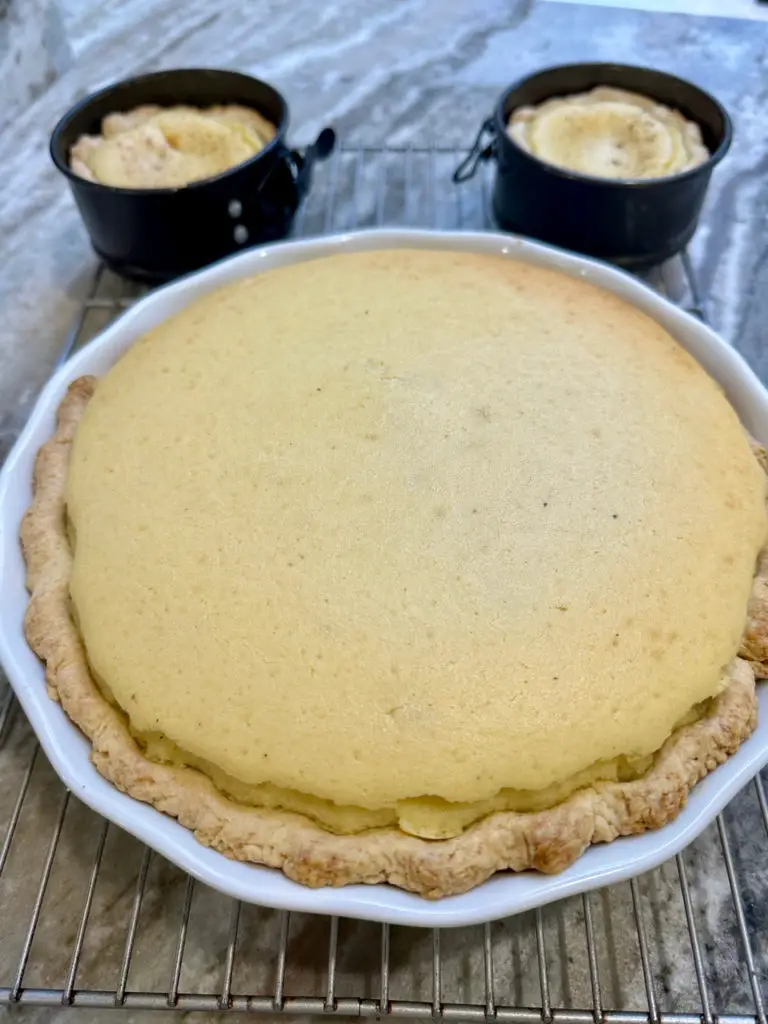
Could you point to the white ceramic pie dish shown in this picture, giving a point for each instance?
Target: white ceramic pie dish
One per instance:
(69, 751)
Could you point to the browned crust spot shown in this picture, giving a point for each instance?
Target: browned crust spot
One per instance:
(546, 841)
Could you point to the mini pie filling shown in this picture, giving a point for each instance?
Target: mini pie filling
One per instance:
(169, 147)
(409, 537)
(609, 133)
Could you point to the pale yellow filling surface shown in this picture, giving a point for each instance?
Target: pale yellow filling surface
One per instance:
(403, 525)
(168, 147)
(609, 133)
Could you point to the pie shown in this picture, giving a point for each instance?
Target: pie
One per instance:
(169, 147)
(403, 566)
(609, 133)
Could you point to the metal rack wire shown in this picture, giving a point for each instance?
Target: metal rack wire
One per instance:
(91, 918)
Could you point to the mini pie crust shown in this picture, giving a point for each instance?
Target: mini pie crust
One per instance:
(547, 841)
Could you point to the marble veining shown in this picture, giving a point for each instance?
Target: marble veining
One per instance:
(404, 72)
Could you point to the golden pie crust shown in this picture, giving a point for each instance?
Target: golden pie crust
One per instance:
(546, 841)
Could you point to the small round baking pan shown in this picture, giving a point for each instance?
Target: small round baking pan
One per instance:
(635, 223)
(153, 235)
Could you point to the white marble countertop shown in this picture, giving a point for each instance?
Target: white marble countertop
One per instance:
(405, 71)
(438, 66)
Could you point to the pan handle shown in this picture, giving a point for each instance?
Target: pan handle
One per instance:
(480, 152)
(303, 163)
(299, 166)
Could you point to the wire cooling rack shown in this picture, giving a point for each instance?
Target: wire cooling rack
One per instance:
(91, 918)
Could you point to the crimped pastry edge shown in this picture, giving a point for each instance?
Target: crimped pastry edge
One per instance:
(547, 841)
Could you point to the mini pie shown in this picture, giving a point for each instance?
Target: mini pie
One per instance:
(170, 147)
(609, 133)
(403, 566)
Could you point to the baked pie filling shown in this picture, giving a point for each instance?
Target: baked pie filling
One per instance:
(170, 147)
(609, 133)
(427, 563)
